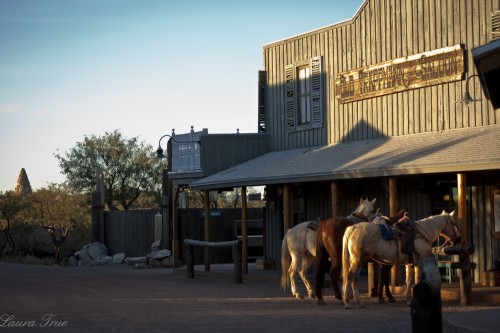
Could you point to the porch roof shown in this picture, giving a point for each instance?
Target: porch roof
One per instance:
(457, 150)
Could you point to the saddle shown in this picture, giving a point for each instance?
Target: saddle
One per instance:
(314, 224)
(385, 226)
(406, 227)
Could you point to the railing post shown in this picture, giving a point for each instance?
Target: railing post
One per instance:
(238, 271)
(189, 260)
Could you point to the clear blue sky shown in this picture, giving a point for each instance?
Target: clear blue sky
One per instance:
(70, 68)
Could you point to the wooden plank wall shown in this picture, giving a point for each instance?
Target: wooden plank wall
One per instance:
(130, 232)
(383, 30)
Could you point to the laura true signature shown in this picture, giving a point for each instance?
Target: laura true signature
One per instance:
(47, 320)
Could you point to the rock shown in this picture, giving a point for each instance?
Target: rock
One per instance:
(84, 262)
(97, 250)
(72, 261)
(82, 254)
(95, 263)
(156, 246)
(161, 254)
(118, 258)
(105, 259)
(136, 260)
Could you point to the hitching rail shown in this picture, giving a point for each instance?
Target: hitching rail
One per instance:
(236, 247)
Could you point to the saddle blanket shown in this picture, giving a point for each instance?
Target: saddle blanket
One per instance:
(385, 228)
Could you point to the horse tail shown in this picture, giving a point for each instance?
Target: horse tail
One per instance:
(346, 262)
(319, 276)
(286, 260)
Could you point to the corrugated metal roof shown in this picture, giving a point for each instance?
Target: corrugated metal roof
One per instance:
(458, 150)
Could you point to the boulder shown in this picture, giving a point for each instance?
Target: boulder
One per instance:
(82, 254)
(72, 261)
(84, 262)
(136, 260)
(156, 246)
(118, 258)
(105, 259)
(161, 254)
(97, 250)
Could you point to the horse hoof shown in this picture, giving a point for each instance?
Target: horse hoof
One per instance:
(347, 306)
(381, 301)
(392, 300)
(299, 296)
(361, 306)
(321, 302)
(312, 295)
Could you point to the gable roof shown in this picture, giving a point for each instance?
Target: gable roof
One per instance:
(457, 150)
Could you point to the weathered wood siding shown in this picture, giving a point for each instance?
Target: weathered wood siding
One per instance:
(131, 232)
(383, 30)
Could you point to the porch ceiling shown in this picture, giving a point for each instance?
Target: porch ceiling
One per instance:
(459, 150)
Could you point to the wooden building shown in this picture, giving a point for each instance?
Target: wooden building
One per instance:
(372, 107)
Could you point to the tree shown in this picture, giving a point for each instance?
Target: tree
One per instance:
(11, 204)
(60, 211)
(130, 168)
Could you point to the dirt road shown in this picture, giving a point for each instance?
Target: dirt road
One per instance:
(119, 298)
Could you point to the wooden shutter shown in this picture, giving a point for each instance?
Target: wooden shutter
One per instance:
(495, 25)
(262, 102)
(290, 97)
(316, 93)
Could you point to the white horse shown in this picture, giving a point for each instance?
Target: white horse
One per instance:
(297, 255)
(363, 241)
(298, 252)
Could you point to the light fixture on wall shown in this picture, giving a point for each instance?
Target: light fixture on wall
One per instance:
(159, 151)
(467, 99)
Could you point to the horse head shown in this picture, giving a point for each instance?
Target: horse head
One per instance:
(366, 207)
(450, 229)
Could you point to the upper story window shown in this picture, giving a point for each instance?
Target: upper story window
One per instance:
(304, 98)
(304, 95)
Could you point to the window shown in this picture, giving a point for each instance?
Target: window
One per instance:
(304, 95)
(303, 90)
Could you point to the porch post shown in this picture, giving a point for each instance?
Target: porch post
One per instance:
(175, 221)
(244, 230)
(287, 223)
(393, 209)
(206, 204)
(335, 190)
(465, 265)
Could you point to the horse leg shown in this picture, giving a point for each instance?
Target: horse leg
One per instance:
(410, 271)
(321, 263)
(353, 281)
(386, 271)
(306, 263)
(334, 276)
(291, 271)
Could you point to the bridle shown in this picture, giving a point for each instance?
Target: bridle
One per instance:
(453, 226)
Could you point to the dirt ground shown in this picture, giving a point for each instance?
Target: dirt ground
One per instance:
(119, 298)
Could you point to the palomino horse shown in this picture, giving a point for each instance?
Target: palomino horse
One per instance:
(298, 251)
(363, 241)
(297, 255)
(329, 245)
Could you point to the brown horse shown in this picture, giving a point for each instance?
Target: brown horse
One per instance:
(329, 246)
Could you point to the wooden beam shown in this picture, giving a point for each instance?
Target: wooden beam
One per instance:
(393, 209)
(206, 204)
(465, 264)
(244, 230)
(175, 226)
(287, 222)
(335, 189)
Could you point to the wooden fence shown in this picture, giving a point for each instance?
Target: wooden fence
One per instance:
(132, 232)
